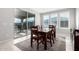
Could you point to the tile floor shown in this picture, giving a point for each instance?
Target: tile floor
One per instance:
(67, 44)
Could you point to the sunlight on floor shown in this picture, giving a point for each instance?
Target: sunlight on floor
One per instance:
(69, 44)
(21, 39)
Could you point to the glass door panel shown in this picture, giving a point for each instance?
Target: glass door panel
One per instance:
(19, 27)
(45, 21)
(53, 19)
(30, 23)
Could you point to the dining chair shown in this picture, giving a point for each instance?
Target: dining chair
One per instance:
(35, 36)
(49, 37)
(76, 40)
(52, 27)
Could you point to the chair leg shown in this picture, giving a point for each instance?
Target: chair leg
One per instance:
(53, 39)
(55, 36)
(50, 42)
(31, 43)
(37, 44)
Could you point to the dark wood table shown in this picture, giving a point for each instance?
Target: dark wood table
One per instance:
(44, 32)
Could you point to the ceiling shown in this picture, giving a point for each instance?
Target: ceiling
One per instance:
(23, 14)
(43, 10)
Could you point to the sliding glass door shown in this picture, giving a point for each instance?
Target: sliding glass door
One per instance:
(19, 27)
(30, 22)
(22, 24)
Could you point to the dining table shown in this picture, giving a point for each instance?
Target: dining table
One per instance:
(44, 32)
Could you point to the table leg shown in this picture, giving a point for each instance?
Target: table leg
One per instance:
(45, 45)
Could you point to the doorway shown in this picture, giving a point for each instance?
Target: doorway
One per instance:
(22, 23)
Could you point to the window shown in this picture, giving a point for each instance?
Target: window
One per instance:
(45, 21)
(17, 20)
(53, 19)
(60, 20)
(64, 19)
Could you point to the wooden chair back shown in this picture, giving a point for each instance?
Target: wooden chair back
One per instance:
(52, 27)
(34, 30)
(76, 40)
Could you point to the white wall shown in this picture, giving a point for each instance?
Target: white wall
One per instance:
(6, 28)
(37, 19)
(77, 18)
(72, 18)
